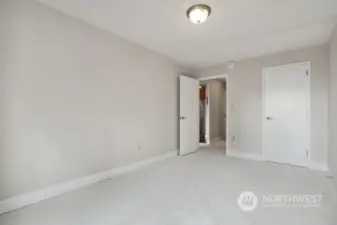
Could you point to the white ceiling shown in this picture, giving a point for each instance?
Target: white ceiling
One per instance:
(236, 29)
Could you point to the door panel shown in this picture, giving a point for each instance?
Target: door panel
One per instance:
(189, 115)
(287, 114)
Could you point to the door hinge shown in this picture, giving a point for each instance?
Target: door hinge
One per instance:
(307, 72)
(307, 152)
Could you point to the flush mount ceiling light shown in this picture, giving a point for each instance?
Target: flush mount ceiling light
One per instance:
(198, 13)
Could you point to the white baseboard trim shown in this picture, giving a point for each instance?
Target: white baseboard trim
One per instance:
(244, 155)
(43, 194)
(318, 166)
(216, 139)
(203, 144)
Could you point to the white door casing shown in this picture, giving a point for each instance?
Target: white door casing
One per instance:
(287, 114)
(189, 115)
(225, 111)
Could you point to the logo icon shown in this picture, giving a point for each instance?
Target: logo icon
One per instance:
(247, 201)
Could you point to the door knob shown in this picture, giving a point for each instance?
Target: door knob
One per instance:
(182, 117)
(269, 118)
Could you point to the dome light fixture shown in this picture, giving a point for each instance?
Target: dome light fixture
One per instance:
(198, 13)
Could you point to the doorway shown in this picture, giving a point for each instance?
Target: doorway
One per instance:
(287, 114)
(213, 111)
(203, 102)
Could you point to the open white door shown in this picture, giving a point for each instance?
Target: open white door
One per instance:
(189, 115)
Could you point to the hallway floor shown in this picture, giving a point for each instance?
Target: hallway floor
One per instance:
(198, 189)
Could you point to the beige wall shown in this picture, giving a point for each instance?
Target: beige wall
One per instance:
(216, 103)
(76, 100)
(333, 107)
(245, 99)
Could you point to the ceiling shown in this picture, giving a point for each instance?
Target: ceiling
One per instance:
(236, 29)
